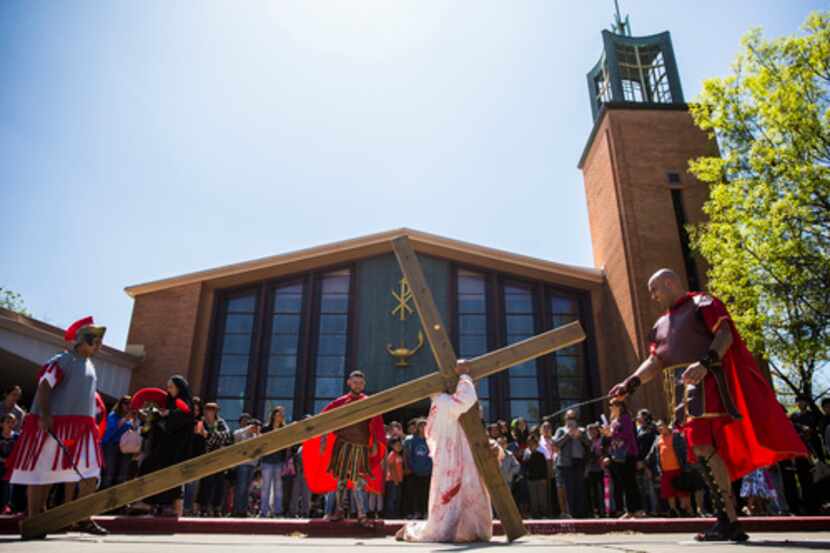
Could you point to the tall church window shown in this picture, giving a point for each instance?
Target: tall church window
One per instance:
(472, 326)
(520, 323)
(568, 363)
(330, 361)
(283, 352)
(235, 355)
(676, 190)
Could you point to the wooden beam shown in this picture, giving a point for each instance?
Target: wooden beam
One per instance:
(297, 432)
(477, 438)
(431, 322)
(530, 348)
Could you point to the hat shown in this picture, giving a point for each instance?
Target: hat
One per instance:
(255, 422)
(81, 327)
(148, 395)
(212, 405)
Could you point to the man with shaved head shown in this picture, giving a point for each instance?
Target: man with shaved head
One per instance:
(721, 401)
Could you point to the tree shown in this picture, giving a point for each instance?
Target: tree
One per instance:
(767, 239)
(13, 302)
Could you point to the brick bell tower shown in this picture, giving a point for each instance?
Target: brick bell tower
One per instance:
(639, 192)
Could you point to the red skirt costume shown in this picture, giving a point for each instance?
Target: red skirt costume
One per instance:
(37, 457)
(734, 408)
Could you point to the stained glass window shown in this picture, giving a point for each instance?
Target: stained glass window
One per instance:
(235, 356)
(283, 354)
(472, 326)
(330, 376)
(520, 324)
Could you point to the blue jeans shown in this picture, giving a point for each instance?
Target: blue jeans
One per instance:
(300, 497)
(330, 502)
(271, 489)
(358, 492)
(647, 493)
(244, 476)
(190, 493)
(393, 500)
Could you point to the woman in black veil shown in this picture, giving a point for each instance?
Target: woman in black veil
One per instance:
(171, 442)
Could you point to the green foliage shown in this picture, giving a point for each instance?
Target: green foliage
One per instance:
(13, 302)
(768, 235)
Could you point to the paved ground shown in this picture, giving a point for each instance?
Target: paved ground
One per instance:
(212, 543)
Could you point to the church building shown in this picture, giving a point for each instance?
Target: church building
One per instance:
(287, 330)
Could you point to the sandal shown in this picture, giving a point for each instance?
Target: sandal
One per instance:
(365, 522)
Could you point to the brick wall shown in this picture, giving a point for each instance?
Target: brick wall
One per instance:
(164, 323)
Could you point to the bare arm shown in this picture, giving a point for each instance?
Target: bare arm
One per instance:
(722, 341)
(44, 391)
(647, 370)
(720, 345)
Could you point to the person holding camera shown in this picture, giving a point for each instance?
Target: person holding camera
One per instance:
(574, 449)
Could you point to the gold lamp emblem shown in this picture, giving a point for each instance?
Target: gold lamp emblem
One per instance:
(402, 353)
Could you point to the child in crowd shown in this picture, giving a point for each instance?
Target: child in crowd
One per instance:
(509, 465)
(537, 477)
(668, 454)
(394, 478)
(8, 436)
(594, 471)
(757, 490)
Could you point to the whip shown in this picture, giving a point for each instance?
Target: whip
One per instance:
(66, 452)
(578, 405)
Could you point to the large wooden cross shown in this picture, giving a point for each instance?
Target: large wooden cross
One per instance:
(347, 415)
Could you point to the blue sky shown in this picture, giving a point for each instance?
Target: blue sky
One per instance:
(140, 140)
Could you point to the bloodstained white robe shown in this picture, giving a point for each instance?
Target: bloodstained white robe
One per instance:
(459, 505)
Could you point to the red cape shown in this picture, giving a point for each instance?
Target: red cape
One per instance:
(315, 465)
(764, 436)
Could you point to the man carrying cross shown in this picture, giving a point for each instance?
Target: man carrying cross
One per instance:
(63, 409)
(726, 408)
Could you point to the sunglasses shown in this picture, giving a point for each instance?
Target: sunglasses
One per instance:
(89, 339)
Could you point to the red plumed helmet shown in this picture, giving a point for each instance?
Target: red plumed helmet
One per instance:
(72, 332)
(149, 395)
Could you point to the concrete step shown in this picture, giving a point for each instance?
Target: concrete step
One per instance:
(350, 528)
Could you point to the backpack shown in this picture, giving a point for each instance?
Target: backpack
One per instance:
(130, 442)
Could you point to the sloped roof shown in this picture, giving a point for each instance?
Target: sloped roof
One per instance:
(53, 335)
(376, 244)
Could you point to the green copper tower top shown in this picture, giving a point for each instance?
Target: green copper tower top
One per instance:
(634, 70)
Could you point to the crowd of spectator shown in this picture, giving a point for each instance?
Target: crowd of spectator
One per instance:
(629, 465)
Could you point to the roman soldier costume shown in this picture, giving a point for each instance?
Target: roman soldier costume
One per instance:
(37, 458)
(733, 408)
(348, 459)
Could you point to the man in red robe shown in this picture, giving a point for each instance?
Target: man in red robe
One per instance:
(727, 410)
(348, 458)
